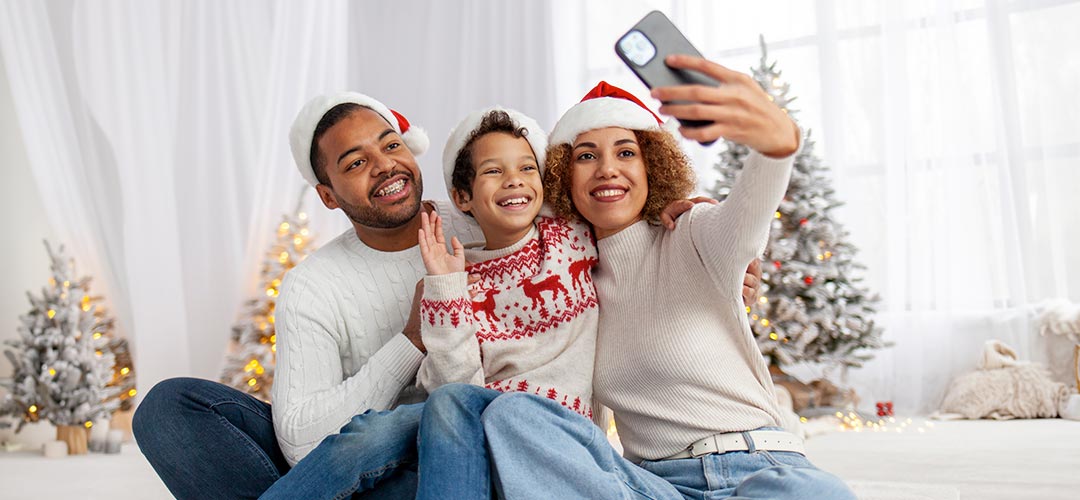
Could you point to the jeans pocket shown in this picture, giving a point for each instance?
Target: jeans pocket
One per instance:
(785, 458)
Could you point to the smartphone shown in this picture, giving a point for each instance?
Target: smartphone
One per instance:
(644, 48)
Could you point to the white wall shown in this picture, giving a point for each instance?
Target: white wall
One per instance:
(24, 264)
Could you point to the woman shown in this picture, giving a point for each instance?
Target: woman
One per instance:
(676, 361)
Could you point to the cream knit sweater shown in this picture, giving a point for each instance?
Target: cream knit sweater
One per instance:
(676, 360)
(340, 351)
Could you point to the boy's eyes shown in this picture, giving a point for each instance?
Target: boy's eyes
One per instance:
(528, 168)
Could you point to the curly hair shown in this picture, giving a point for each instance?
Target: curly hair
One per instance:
(667, 169)
(464, 170)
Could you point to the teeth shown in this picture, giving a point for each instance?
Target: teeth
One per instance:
(514, 201)
(609, 192)
(391, 189)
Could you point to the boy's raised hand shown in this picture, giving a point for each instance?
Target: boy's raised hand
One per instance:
(437, 259)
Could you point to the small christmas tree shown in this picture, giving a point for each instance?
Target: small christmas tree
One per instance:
(65, 370)
(250, 365)
(811, 308)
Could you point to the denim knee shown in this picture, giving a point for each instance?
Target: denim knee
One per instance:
(161, 402)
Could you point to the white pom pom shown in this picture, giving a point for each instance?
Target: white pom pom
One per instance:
(417, 140)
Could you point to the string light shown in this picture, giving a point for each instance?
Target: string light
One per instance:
(32, 409)
(252, 382)
(97, 335)
(125, 370)
(302, 216)
(284, 227)
(132, 393)
(773, 336)
(764, 322)
(52, 372)
(763, 300)
(88, 424)
(748, 309)
(778, 214)
(51, 313)
(67, 284)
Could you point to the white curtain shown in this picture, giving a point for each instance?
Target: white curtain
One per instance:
(950, 127)
(157, 132)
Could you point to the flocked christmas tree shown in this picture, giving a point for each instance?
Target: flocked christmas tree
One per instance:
(250, 365)
(811, 306)
(69, 369)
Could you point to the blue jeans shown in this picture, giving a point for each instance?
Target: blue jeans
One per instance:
(454, 459)
(541, 450)
(372, 448)
(206, 440)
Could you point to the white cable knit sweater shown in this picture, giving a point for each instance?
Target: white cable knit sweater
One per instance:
(675, 359)
(340, 351)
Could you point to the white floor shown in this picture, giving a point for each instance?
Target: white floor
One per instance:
(953, 460)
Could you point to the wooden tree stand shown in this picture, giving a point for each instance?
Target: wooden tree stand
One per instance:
(75, 436)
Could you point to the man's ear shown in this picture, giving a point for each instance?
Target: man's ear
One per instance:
(462, 200)
(326, 194)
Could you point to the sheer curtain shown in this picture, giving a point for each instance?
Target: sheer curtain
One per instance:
(157, 132)
(951, 131)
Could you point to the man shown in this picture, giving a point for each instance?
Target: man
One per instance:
(348, 333)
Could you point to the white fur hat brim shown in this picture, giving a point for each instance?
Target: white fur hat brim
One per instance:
(303, 128)
(601, 112)
(460, 135)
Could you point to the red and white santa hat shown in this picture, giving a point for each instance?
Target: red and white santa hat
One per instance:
(604, 106)
(303, 128)
(460, 135)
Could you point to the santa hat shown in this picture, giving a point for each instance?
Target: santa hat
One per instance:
(604, 106)
(303, 128)
(460, 135)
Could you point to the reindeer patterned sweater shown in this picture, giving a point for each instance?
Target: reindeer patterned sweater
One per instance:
(532, 326)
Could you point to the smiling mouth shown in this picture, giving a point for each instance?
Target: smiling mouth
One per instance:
(391, 189)
(517, 201)
(609, 193)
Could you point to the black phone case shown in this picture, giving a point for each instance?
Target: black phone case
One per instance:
(655, 73)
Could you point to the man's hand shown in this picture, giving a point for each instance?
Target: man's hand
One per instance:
(751, 283)
(412, 326)
(739, 109)
(678, 207)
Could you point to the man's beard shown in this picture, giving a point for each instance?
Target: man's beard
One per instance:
(377, 218)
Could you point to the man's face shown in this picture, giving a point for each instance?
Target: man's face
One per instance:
(374, 178)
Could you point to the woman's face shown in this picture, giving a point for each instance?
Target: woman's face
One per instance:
(608, 183)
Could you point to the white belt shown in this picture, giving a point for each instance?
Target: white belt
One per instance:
(735, 441)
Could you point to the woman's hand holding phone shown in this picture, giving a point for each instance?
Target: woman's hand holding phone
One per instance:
(740, 109)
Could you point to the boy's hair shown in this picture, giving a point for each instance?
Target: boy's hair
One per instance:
(331, 118)
(464, 171)
(667, 169)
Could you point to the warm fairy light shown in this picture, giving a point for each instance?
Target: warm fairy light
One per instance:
(97, 335)
(125, 370)
(828, 255)
(273, 348)
(271, 319)
(773, 336)
(52, 282)
(52, 372)
(260, 370)
(764, 322)
(252, 382)
(297, 241)
(273, 339)
(67, 284)
(302, 216)
(88, 424)
(777, 214)
(32, 409)
(755, 317)
(269, 292)
(283, 227)
(284, 257)
(304, 232)
(803, 420)
(86, 307)
(132, 393)
(820, 257)
(51, 313)
(276, 283)
(763, 300)
(98, 353)
(747, 309)
(611, 429)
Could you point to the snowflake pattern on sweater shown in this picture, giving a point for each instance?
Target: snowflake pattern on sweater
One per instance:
(530, 328)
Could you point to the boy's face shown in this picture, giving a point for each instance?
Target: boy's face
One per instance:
(506, 192)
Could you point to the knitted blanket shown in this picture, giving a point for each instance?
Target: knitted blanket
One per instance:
(1004, 388)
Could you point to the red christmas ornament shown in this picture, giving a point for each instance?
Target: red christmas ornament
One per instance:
(884, 409)
(802, 222)
(809, 280)
(776, 263)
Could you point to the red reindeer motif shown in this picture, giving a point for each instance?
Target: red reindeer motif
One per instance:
(534, 290)
(486, 306)
(579, 272)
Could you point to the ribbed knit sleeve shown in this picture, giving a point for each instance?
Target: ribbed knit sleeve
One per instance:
(448, 329)
(729, 235)
(311, 400)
